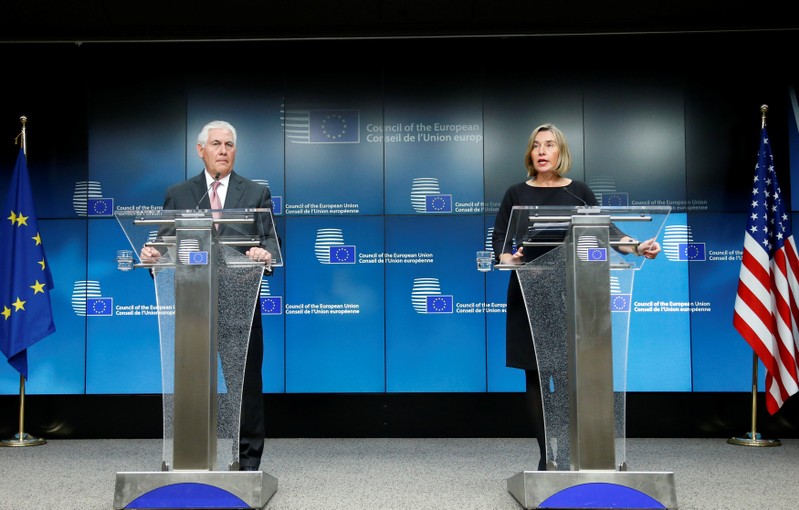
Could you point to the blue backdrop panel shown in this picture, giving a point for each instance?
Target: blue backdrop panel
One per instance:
(123, 347)
(500, 377)
(331, 166)
(56, 363)
(55, 123)
(721, 358)
(634, 141)
(331, 142)
(136, 151)
(136, 143)
(436, 146)
(659, 356)
(435, 328)
(334, 304)
(273, 292)
(50, 177)
(715, 178)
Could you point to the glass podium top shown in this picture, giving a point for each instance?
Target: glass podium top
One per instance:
(538, 227)
(238, 228)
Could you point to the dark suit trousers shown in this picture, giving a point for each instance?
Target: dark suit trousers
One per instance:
(253, 426)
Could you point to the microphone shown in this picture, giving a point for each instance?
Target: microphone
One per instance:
(216, 178)
(566, 189)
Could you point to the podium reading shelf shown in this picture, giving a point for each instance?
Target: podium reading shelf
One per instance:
(206, 295)
(584, 286)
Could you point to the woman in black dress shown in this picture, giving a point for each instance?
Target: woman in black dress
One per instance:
(547, 159)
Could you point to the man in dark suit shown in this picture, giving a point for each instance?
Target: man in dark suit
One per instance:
(216, 146)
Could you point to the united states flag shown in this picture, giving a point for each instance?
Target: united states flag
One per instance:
(766, 308)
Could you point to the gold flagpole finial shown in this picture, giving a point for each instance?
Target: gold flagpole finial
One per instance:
(24, 120)
(763, 110)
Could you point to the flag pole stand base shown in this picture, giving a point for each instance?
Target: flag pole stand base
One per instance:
(24, 439)
(753, 441)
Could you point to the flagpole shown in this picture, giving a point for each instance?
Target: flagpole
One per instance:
(22, 438)
(753, 438)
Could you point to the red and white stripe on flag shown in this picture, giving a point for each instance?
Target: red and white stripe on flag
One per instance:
(766, 305)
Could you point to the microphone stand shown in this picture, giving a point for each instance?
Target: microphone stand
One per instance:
(208, 190)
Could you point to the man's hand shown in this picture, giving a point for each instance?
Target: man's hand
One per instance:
(149, 255)
(259, 254)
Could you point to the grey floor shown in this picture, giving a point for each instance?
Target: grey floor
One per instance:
(402, 474)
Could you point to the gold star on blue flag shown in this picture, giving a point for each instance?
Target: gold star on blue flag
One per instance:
(26, 315)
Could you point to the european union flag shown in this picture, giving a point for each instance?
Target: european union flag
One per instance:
(342, 254)
(691, 251)
(25, 281)
(334, 126)
(439, 303)
(198, 258)
(100, 307)
(438, 203)
(100, 207)
(597, 254)
(271, 305)
(620, 302)
(277, 205)
(615, 199)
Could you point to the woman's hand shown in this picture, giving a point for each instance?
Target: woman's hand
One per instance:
(649, 248)
(512, 258)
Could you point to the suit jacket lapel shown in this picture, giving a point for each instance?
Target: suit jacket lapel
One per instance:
(235, 191)
(200, 192)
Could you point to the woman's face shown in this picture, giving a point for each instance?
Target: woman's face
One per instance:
(545, 153)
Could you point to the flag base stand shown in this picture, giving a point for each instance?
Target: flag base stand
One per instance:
(753, 437)
(749, 440)
(23, 439)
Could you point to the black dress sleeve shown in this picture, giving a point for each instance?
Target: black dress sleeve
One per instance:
(501, 224)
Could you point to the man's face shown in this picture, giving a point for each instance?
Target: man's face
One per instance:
(219, 152)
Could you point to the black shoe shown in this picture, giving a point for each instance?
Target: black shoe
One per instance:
(542, 465)
(248, 468)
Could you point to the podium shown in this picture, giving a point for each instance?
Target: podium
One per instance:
(578, 295)
(207, 291)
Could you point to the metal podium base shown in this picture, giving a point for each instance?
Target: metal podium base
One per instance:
(193, 489)
(593, 489)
